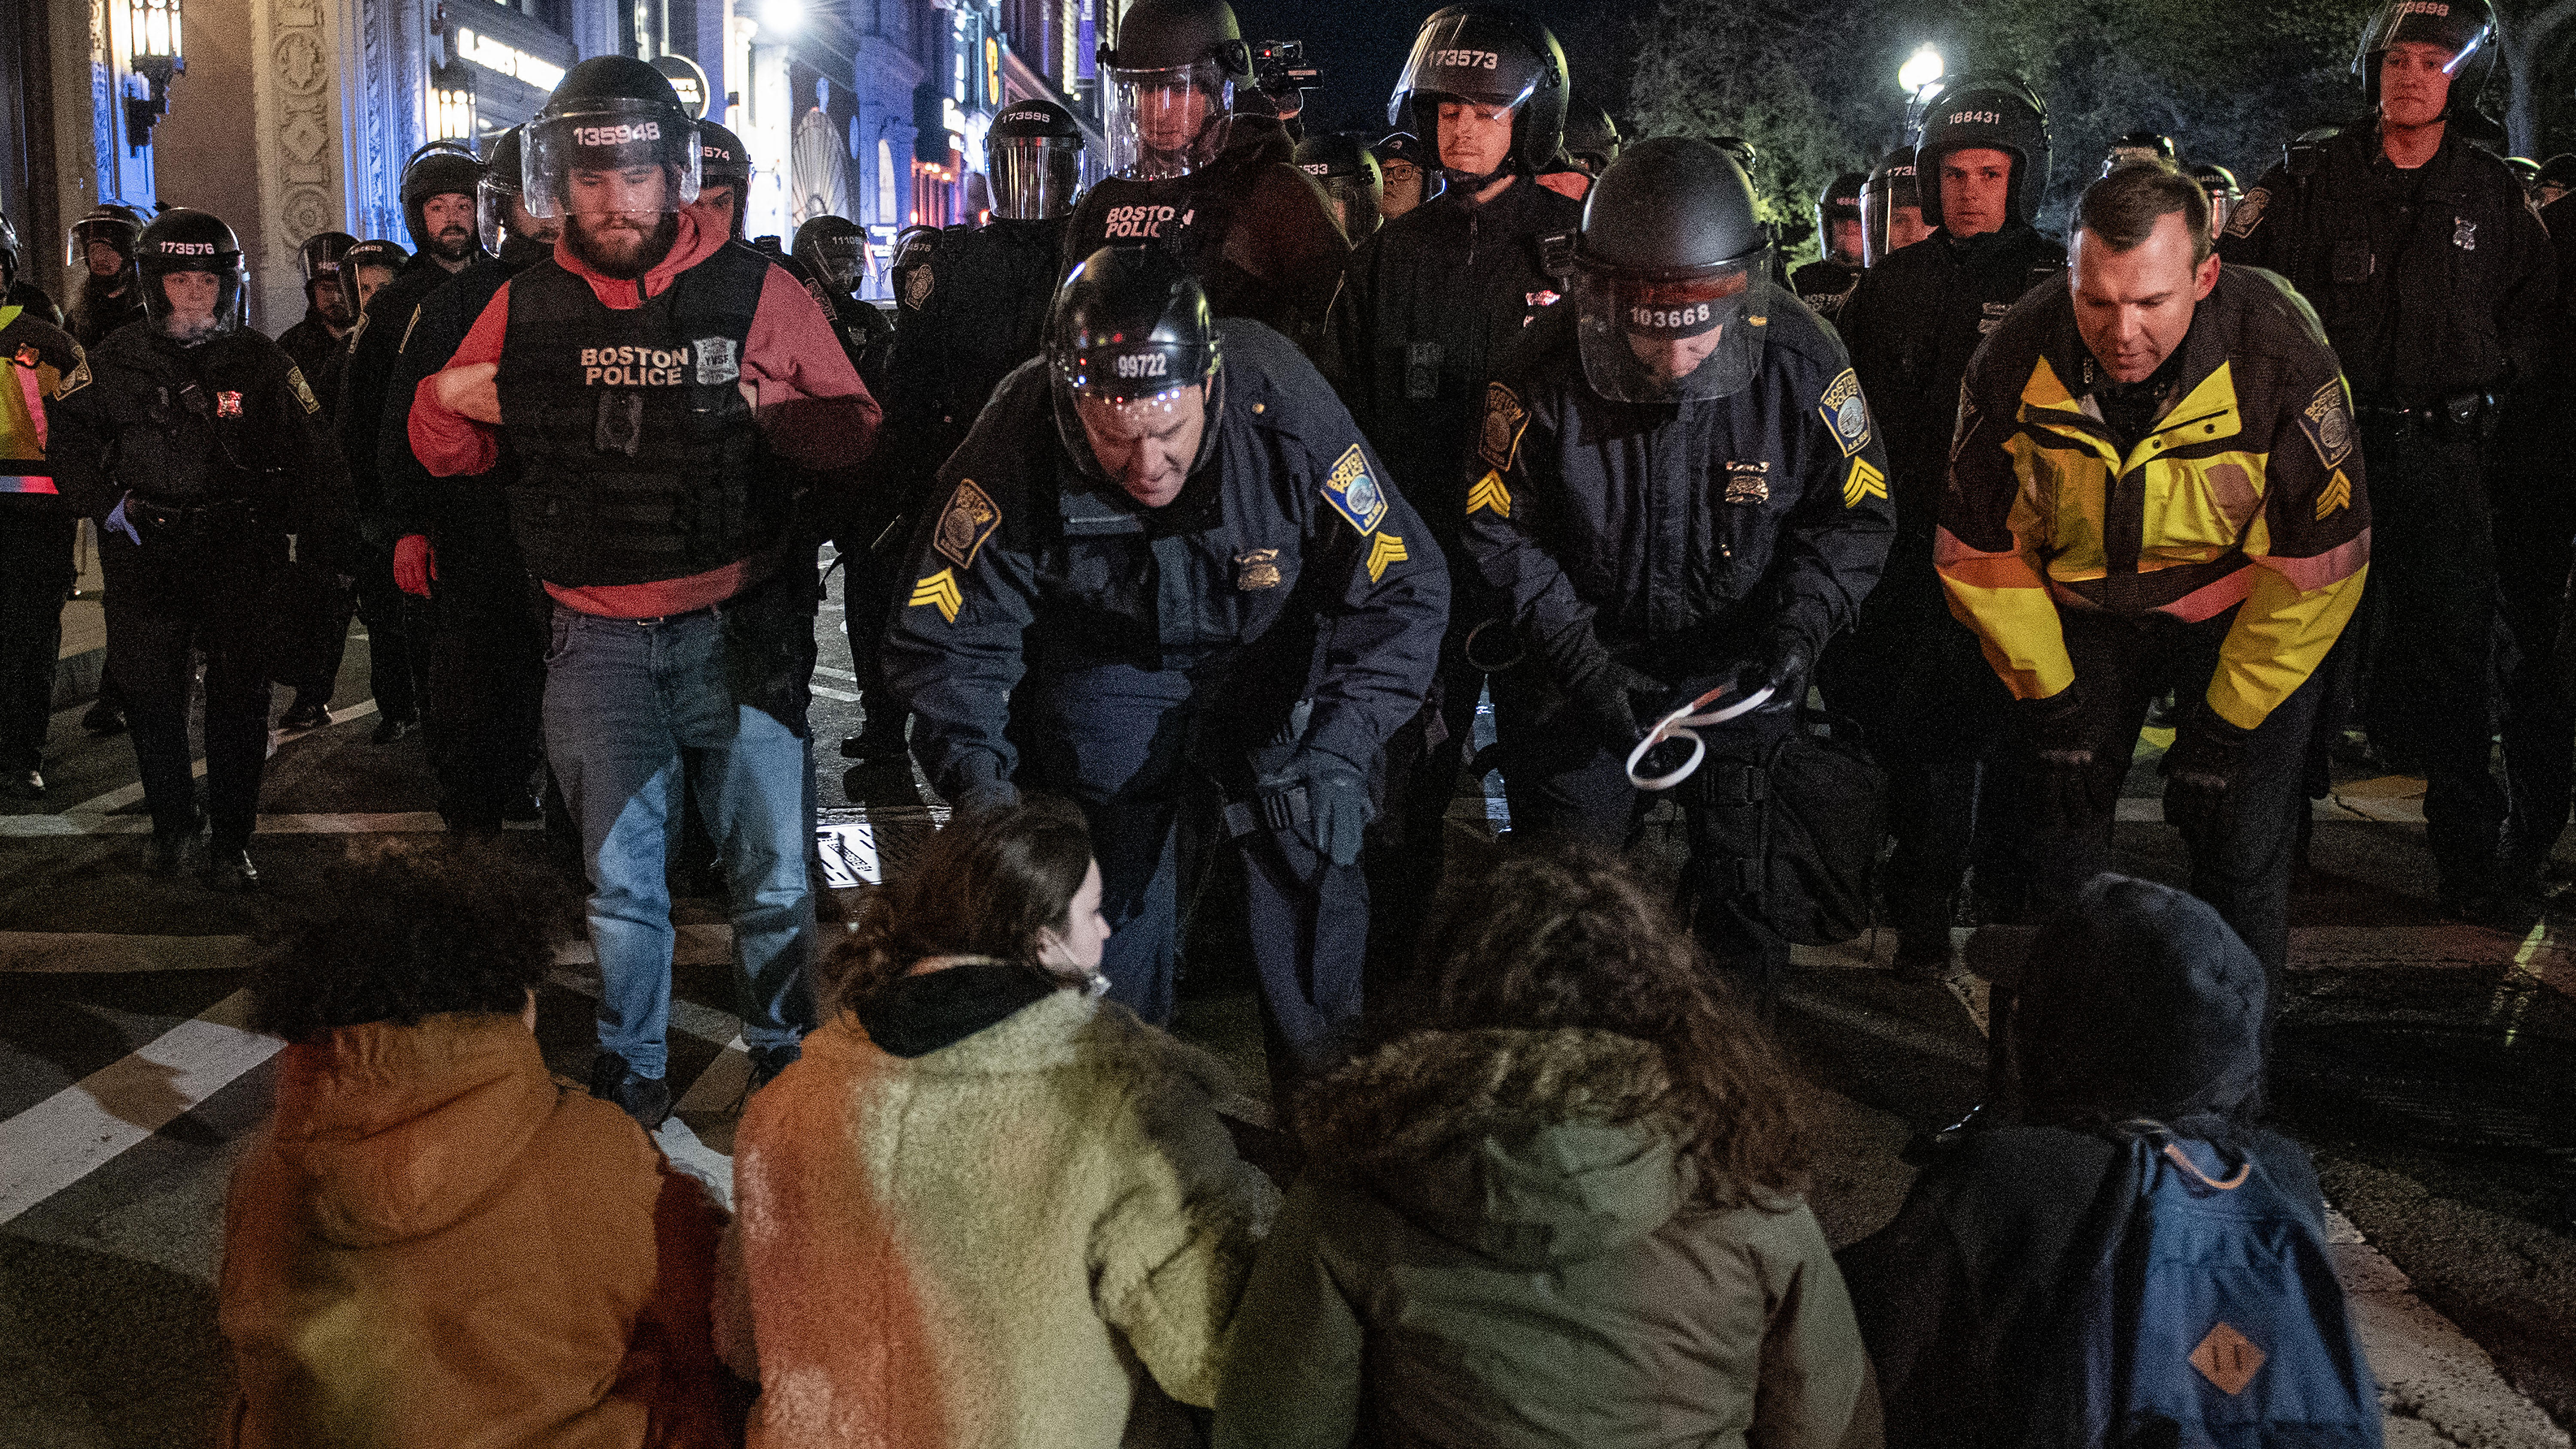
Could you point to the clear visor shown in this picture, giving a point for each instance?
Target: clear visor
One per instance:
(1166, 122)
(2220, 204)
(1878, 204)
(1449, 58)
(1132, 374)
(1666, 342)
(620, 156)
(193, 303)
(1034, 177)
(841, 261)
(1089, 415)
(117, 234)
(2446, 23)
(1354, 205)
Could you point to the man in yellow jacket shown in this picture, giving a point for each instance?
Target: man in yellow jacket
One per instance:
(2155, 483)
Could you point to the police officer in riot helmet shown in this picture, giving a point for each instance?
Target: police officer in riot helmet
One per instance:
(1909, 671)
(1591, 144)
(2219, 184)
(1200, 169)
(2139, 146)
(831, 257)
(327, 317)
(438, 191)
(484, 645)
(683, 423)
(2433, 277)
(1751, 457)
(1293, 628)
(1824, 282)
(1429, 306)
(18, 289)
(200, 448)
(1408, 174)
(724, 176)
(100, 252)
(1891, 209)
(1350, 178)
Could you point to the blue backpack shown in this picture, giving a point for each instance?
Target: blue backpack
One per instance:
(2209, 1316)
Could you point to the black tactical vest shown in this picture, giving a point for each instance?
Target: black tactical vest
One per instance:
(639, 457)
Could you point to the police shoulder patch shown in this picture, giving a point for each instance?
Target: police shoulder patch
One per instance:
(294, 380)
(1353, 493)
(2248, 214)
(969, 519)
(2327, 420)
(916, 287)
(76, 379)
(1505, 421)
(1846, 412)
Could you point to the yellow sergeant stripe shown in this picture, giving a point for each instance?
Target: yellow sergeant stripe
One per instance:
(1385, 549)
(2338, 494)
(939, 590)
(1862, 482)
(1489, 493)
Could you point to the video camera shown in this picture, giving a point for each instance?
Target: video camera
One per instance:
(1279, 67)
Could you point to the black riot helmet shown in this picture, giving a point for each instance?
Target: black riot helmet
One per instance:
(834, 252)
(2224, 193)
(1591, 137)
(1991, 112)
(1349, 175)
(1672, 255)
(375, 252)
(492, 202)
(610, 113)
(722, 161)
(319, 257)
(1168, 86)
(1033, 154)
(1131, 328)
(111, 222)
(184, 239)
(1839, 201)
(440, 168)
(1890, 189)
(2465, 28)
(1746, 157)
(1489, 55)
(2139, 146)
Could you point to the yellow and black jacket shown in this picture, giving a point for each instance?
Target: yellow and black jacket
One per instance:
(2246, 493)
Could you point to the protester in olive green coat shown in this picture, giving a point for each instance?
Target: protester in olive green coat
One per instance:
(1562, 1209)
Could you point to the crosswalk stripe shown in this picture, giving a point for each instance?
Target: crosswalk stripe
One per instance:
(398, 822)
(79, 1129)
(124, 795)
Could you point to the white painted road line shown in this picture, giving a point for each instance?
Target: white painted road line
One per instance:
(400, 822)
(828, 692)
(124, 795)
(79, 1129)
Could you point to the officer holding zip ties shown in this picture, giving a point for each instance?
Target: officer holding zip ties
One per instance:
(1680, 489)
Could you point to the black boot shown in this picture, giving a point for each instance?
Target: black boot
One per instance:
(228, 868)
(646, 1099)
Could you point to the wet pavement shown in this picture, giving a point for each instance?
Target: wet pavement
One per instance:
(2430, 1066)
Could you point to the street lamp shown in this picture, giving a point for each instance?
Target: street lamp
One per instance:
(154, 56)
(1921, 69)
(451, 103)
(783, 17)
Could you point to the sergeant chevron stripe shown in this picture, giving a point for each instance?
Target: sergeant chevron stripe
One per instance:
(2338, 494)
(1490, 493)
(939, 591)
(1385, 549)
(1862, 482)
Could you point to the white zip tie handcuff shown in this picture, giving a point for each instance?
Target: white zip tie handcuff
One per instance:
(1679, 726)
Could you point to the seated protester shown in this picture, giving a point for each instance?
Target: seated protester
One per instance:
(1557, 1204)
(432, 1242)
(986, 1207)
(2136, 1002)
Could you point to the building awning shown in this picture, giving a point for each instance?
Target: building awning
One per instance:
(1021, 81)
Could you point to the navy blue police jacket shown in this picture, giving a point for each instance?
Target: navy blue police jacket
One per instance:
(1285, 569)
(1680, 537)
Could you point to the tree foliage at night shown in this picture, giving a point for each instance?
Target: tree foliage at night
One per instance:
(1814, 87)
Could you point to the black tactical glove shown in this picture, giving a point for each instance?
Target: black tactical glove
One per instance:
(1782, 669)
(1606, 695)
(2199, 770)
(980, 787)
(1336, 798)
(2062, 751)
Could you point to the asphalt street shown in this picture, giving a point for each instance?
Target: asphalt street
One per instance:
(2430, 1066)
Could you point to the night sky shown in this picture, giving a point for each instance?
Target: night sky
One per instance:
(1360, 45)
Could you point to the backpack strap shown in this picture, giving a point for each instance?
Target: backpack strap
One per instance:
(2149, 1129)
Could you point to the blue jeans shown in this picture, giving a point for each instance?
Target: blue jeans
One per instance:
(625, 703)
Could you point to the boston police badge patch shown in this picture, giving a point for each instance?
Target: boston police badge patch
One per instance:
(2248, 214)
(1353, 493)
(719, 360)
(78, 378)
(294, 380)
(1505, 420)
(1846, 412)
(2328, 423)
(969, 519)
(916, 287)
(1748, 483)
(1256, 568)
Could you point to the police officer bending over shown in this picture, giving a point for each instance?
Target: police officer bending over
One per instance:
(1679, 486)
(2434, 280)
(199, 443)
(1167, 556)
(662, 393)
(2156, 486)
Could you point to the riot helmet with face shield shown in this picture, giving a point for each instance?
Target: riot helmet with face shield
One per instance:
(111, 223)
(602, 138)
(1350, 179)
(441, 168)
(1890, 191)
(724, 173)
(834, 252)
(1033, 155)
(2464, 29)
(499, 207)
(2139, 146)
(1839, 203)
(2224, 193)
(1168, 86)
(1132, 354)
(1489, 59)
(1667, 268)
(1991, 113)
(191, 265)
(373, 255)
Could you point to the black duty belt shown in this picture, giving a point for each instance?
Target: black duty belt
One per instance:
(184, 520)
(2460, 412)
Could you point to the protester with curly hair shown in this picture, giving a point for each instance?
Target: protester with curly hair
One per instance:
(987, 1207)
(1557, 1203)
(432, 1242)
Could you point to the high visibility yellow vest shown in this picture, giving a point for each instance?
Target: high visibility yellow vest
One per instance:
(22, 424)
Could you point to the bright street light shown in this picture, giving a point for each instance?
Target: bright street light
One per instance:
(783, 16)
(1921, 69)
